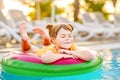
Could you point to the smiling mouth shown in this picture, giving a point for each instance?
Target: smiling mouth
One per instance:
(67, 42)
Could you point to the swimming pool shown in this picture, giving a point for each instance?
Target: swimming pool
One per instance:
(111, 65)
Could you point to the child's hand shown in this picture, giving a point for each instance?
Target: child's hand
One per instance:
(63, 51)
(69, 56)
(67, 52)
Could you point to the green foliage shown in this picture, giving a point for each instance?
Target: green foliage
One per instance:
(32, 15)
(94, 5)
(45, 9)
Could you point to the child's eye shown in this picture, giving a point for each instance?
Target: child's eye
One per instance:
(70, 36)
(62, 36)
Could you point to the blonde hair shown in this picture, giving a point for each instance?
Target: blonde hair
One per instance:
(53, 29)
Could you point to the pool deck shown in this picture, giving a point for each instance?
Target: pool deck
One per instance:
(101, 45)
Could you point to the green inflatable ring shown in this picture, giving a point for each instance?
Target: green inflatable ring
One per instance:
(33, 69)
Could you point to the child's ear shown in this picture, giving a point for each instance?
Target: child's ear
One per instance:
(53, 40)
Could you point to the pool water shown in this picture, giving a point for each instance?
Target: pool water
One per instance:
(110, 67)
(111, 64)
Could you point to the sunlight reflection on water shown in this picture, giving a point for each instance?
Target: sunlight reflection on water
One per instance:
(111, 64)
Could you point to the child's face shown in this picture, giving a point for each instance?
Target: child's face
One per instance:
(63, 39)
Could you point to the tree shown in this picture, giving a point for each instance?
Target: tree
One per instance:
(76, 9)
(114, 3)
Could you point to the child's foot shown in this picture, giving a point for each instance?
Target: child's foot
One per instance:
(23, 32)
(46, 39)
(40, 31)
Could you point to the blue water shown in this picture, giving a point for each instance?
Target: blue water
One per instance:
(110, 69)
(94, 75)
(111, 64)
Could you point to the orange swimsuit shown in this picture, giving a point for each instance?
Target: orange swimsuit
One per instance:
(51, 48)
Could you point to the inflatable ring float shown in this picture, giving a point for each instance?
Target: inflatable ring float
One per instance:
(23, 64)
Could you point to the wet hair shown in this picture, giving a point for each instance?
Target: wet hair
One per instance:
(53, 29)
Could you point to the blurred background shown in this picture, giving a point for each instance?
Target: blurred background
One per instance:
(96, 25)
(41, 12)
(40, 9)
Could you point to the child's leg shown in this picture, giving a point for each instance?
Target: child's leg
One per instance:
(25, 45)
(46, 39)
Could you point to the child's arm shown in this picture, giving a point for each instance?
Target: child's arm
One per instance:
(50, 57)
(82, 53)
(85, 54)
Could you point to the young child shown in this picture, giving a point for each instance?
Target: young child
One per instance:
(59, 44)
